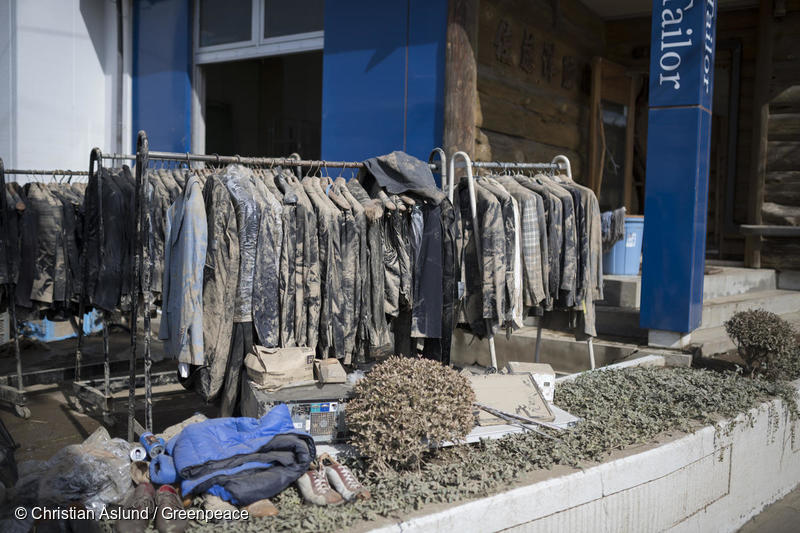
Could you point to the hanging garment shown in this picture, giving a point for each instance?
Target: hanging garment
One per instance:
(555, 232)
(248, 216)
(360, 267)
(288, 258)
(349, 260)
(310, 281)
(377, 328)
(510, 231)
(331, 336)
(484, 278)
(266, 296)
(428, 274)
(569, 255)
(241, 345)
(185, 257)
(534, 238)
(220, 277)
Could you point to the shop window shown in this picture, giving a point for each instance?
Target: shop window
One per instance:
(299, 16)
(225, 21)
(232, 30)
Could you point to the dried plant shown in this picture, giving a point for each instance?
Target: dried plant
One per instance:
(405, 406)
(767, 344)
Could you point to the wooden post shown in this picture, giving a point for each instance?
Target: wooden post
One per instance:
(461, 76)
(630, 127)
(594, 124)
(758, 164)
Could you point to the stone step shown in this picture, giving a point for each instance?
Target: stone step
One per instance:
(729, 281)
(560, 350)
(620, 322)
(717, 310)
(625, 291)
(714, 341)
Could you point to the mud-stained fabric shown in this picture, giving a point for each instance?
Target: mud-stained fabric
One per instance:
(534, 279)
(310, 273)
(484, 275)
(400, 173)
(555, 239)
(220, 276)
(248, 216)
(266, 296)
(182, 300)
(377, 330)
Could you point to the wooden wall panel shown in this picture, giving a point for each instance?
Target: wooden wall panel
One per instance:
(533, 74)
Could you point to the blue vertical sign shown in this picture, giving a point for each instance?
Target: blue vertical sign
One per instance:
(678, 149)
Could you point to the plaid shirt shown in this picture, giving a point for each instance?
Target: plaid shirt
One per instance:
(531, 215)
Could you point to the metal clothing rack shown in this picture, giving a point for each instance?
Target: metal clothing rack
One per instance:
(15, 395)
(559, 162)
(143, 156)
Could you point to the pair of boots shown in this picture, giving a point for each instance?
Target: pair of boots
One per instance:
(150, 505)
(315, 485)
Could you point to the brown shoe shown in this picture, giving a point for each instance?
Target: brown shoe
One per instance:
(142, 507)
(168, 502)
(314, 487)
(343, 480)
(261, 508)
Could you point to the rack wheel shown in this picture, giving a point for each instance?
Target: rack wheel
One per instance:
(491, 370)
(22, 411)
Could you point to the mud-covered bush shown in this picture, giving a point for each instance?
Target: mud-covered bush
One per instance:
(403, 406)
(767, 344)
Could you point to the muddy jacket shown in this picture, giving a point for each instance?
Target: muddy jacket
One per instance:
(182, 299)
(266, 273)
(331, 334)
(510, 231)
(377, 330)
(248, 214)
(483, 275)
(220, 274)
(533, 240)
(569, 251)
(307, 318)
(554, 219)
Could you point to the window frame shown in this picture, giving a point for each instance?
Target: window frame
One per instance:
(258, 45)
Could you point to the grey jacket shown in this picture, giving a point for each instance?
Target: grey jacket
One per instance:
(185, 256)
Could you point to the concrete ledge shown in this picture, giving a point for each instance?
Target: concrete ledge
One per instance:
(706, 481)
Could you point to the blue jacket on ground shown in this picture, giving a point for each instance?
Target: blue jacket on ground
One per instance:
(241, 460)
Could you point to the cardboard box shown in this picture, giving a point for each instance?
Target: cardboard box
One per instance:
(329, 371)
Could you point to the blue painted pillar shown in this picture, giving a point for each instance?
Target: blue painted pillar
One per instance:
(383, 77)
(678, 149)
(162, 75)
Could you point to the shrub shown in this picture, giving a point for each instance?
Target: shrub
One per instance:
(405, 404)
(767, 344)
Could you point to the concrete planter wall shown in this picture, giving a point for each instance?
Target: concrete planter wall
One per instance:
(706, 481)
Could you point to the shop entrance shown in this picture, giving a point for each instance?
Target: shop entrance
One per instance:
(269, 106)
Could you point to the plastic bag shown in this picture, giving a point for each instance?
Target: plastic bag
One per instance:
(95, 472)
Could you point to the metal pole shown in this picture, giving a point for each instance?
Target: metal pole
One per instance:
(442, 170)
(538, 341)
(147, 294)
(141, 144)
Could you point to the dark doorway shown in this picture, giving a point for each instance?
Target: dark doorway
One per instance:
(268, 107)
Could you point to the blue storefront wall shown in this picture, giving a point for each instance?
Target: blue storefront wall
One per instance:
(383, 77)
(162, 80)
